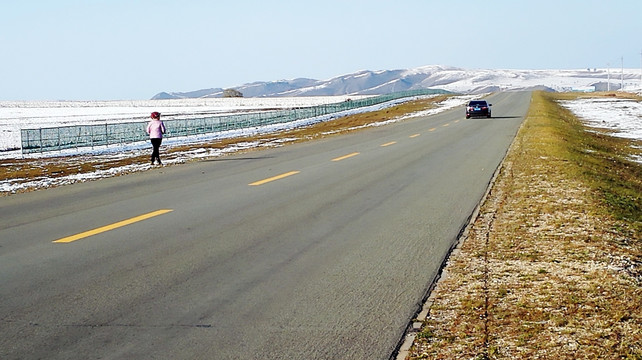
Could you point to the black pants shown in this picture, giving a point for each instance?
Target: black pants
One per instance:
(156, 143)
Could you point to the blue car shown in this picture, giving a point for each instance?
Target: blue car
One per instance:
(478, 108)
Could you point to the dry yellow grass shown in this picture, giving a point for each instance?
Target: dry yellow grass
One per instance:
(545, 272)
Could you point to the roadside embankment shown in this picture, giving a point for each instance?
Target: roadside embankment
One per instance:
(552, 266)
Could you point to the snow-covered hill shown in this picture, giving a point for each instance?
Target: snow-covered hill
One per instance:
(465, 81)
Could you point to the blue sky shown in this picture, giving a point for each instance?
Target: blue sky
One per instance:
(134, 49)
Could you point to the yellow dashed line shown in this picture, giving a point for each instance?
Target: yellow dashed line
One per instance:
(278, 177)
(345, 156)
(112, 226)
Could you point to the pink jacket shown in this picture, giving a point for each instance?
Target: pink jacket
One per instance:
(156, 129)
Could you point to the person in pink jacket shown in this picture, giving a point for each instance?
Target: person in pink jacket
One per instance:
(156, 129)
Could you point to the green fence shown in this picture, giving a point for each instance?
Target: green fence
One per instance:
(81, 136)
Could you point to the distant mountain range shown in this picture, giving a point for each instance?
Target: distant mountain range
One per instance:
(453, 79)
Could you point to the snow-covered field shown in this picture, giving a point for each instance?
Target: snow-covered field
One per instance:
(16, 115)
(622, 116)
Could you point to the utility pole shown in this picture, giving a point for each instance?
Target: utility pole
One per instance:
(622, 75)
(608, 77)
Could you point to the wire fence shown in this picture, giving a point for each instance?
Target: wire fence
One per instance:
(107, 134)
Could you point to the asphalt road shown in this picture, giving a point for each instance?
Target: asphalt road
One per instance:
(320, 250)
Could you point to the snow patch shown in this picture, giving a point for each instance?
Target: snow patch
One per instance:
(622, 117)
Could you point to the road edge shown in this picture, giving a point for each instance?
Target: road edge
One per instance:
(402, 350)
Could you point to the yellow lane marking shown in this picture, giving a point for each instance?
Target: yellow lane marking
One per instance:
(414, 135)
(261, 182)
(433, 129)
(345, 156)
(388, 144)
(444, 125)
(456, 121)
(113, 226)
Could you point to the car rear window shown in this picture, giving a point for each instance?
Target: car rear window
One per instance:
(480, 103)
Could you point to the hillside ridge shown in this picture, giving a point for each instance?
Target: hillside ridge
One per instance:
(459, 80)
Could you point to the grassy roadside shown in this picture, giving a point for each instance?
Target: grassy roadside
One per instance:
(552, 266)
